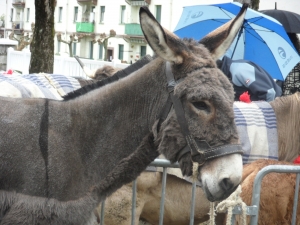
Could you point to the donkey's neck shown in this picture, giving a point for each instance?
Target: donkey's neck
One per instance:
(138, 96)
(113, 119)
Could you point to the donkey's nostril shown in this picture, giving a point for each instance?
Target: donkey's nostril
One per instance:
(226, 184)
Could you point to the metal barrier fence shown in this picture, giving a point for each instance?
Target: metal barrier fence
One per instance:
(253, 209)
(164, 164)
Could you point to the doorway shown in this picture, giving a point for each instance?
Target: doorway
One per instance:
(110, 53)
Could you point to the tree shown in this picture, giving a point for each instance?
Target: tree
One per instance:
(254, 4)
(42, 45)
(73, 39)
(69, 43)
(103, 39)
(23, 39)
(2, 20)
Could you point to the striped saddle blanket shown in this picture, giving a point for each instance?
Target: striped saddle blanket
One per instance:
(42, 85)
(257, 128)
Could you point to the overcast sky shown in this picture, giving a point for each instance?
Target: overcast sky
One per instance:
(289, 5)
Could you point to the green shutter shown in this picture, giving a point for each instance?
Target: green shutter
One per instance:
(91, 50)
(74, 48)
(158, 13)
(143, 51)
(121, 50)
(101, 51)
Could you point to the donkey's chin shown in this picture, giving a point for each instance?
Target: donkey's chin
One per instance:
(221, 176)
(219, 196)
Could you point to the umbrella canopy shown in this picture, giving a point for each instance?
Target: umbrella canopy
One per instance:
(289, 20)
(262, 39)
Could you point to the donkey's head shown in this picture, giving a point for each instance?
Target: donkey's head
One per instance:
(205, 120)
(97, 74)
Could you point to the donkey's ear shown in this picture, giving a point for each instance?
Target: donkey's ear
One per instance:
(164, 43)
(219, 40)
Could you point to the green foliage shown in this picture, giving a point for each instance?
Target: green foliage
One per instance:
(2, 18)
(255, 4)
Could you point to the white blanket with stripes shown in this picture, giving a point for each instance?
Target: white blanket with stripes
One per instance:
(42, 85)
(257, 128)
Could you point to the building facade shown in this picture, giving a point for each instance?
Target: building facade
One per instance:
(88, 23)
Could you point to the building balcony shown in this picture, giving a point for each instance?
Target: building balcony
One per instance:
(138, 2)
(133, 29)
(18, 27)
(135, 40)
(134, 33)
(87, 2)
(18, 4)
(84, 27)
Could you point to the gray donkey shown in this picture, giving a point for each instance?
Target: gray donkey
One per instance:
(57, 150)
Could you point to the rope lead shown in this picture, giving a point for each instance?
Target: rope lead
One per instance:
(227, 206)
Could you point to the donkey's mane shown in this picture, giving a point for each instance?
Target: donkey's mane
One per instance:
(190, 42)
(118, 75)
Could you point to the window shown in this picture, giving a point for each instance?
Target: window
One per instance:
(91, 49)
(75, 14)
(92, 15)
(58, 46)
(101, 51)
(123, 7)
(28, 15)
(102, 11)
(158, 13)
(11, 14)
(74, 48)
(143, 51)
(121, 50)
(60, 14)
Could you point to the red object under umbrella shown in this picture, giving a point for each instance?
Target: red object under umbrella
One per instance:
(245, 97)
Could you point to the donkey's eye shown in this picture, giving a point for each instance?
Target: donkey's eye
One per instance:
(201, 105)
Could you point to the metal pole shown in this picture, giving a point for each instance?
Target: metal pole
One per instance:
(133, 206)
(295, 199)
(162, 200)
(102, 212)
(237, 40)
(192, 213)
(164, 163)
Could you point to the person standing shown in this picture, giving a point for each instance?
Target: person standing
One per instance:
(247, 76)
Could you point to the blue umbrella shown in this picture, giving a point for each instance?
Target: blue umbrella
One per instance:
(262, 39)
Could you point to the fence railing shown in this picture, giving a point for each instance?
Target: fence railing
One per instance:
(164, 164)
(20, 60)
(253, 209)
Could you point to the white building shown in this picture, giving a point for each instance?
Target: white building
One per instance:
(93, 17)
